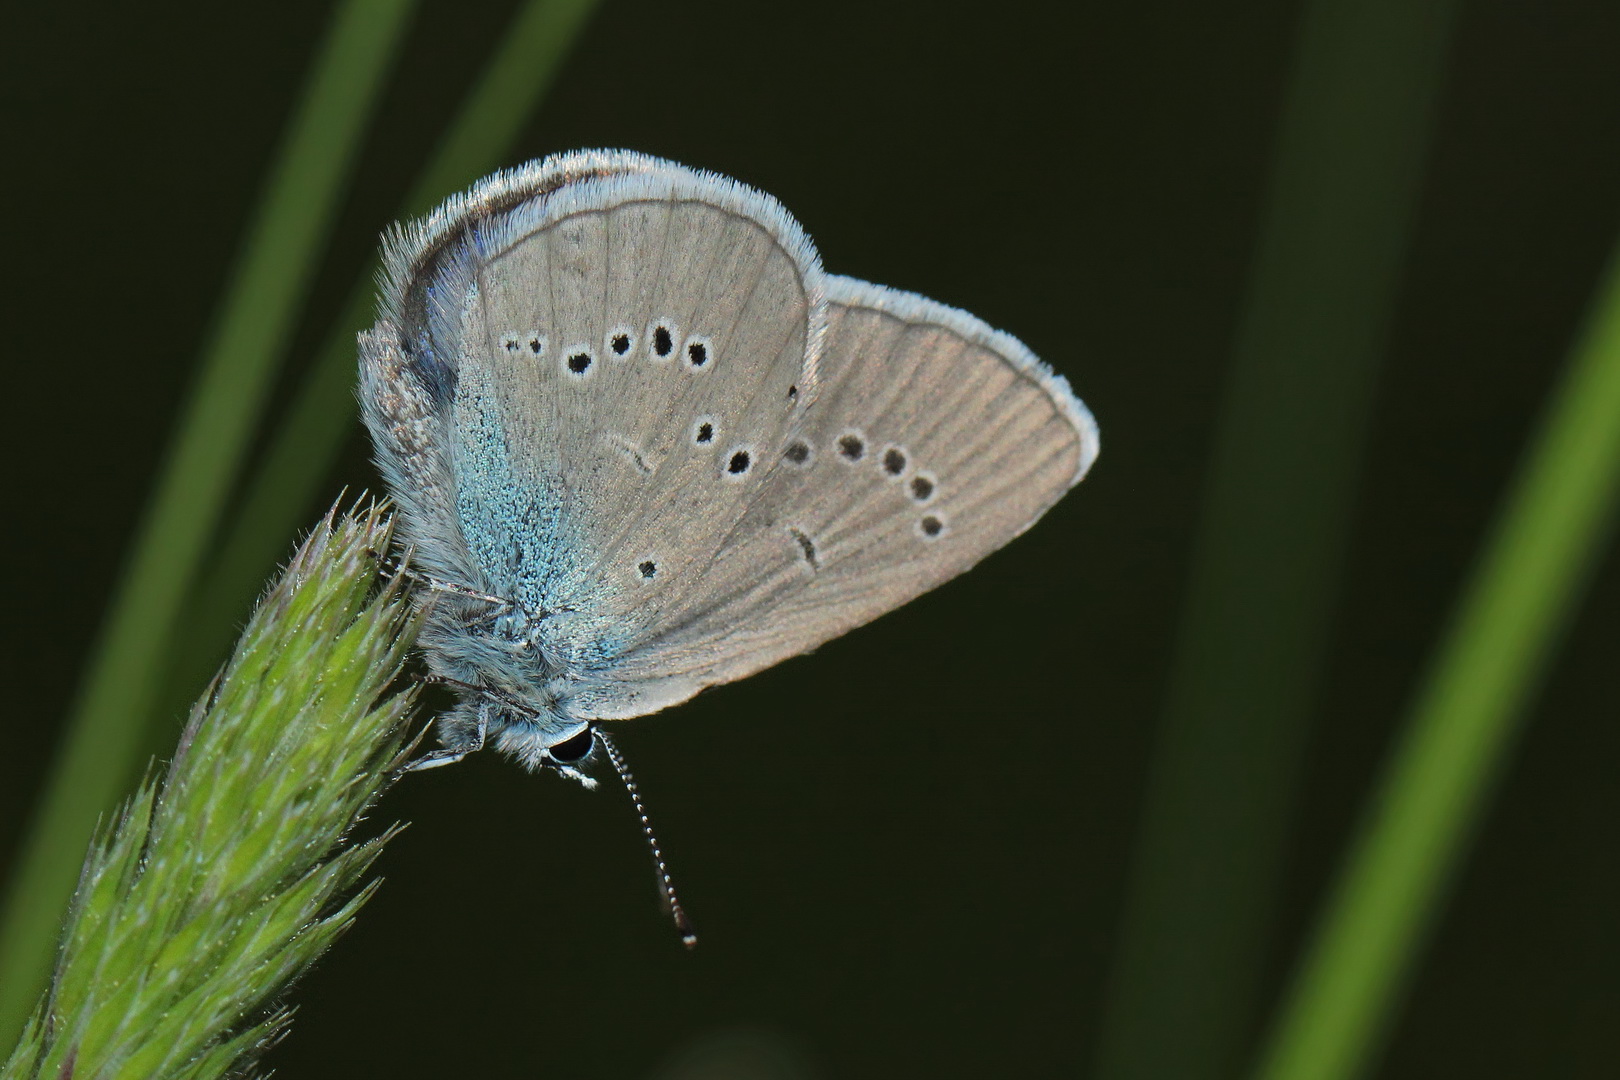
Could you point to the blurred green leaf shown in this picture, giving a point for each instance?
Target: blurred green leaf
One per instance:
(1185, 991)
(1554, 526)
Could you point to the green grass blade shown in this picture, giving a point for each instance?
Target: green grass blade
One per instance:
(1185, 994)
(517, 76)
(1553, 527)
(105, 730)
(217, 890)
(322, 415)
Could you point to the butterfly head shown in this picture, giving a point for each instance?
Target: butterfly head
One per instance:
(538, 741)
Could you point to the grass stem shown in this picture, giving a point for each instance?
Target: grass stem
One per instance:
(104, 732)
(1185, 996)
(213, 891)
(1554, 526)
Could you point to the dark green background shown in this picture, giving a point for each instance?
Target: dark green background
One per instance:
(907, 853)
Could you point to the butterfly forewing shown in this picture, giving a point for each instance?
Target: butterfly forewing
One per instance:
(624, 352)
(409, 359)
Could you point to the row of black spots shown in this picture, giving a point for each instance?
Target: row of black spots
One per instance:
(619, 343)
(893, 462)
(930, 526)
(532, 343)
(738, 462)
(578, 360)
(696, 352)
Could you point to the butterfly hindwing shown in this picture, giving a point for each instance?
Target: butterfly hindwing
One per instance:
(933, 442)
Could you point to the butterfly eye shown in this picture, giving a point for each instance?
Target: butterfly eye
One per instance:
(572, 749)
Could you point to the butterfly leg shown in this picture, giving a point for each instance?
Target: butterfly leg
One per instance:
(449, 755)
(436, 585)
(439, 585)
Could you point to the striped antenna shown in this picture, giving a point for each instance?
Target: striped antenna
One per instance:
(665, 885)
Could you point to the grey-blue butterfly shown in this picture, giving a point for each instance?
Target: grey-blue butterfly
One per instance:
(642, 444)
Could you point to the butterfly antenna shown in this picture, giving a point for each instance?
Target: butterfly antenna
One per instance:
(665, 885)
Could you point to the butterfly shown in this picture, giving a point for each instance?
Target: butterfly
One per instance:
(641, 444)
